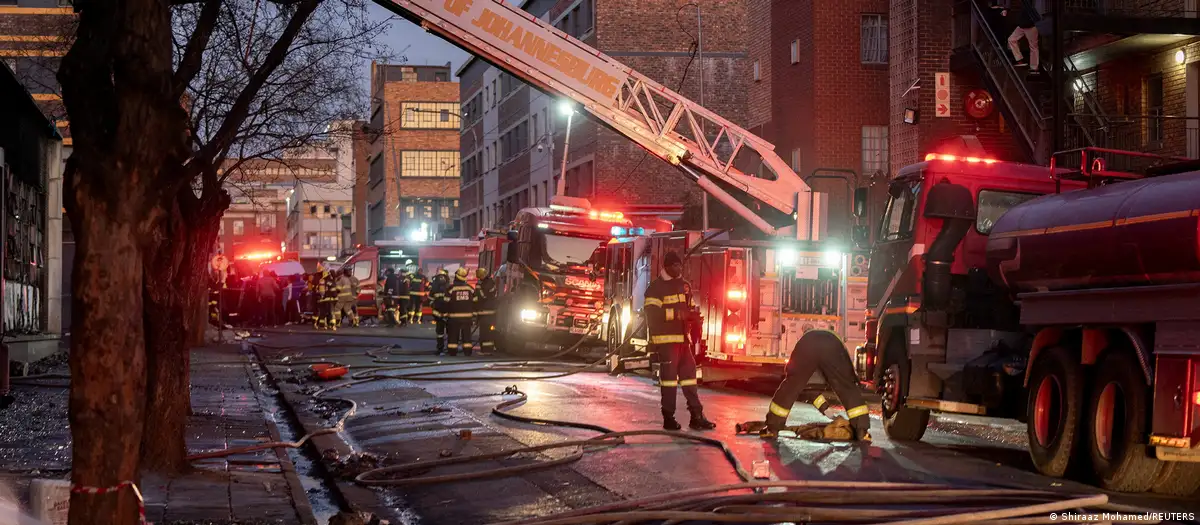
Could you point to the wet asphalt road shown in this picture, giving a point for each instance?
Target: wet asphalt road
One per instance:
(408, 420)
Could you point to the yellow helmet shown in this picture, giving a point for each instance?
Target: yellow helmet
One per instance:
(481, 272)
(442, 271)
(461, 272)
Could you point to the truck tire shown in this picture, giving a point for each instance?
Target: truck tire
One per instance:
(900, 422)
(1118, 413)
(1054, 410)
(1177, 478)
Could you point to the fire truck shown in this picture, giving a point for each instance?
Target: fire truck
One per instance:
(549, 267)
(756, 298)
(1069, 299)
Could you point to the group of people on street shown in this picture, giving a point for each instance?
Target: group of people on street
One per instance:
(456, 306)
(256, 300)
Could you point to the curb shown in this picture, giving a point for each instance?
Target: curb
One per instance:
(284, 331)
(299, 496)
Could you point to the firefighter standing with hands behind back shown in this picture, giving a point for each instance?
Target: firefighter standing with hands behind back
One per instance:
(669, 313)
(485, 309)
(458, 313)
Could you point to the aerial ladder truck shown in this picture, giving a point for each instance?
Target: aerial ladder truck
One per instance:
(707, 149)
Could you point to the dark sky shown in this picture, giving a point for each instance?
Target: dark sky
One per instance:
(422, 48)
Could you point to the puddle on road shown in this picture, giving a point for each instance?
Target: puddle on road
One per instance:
(313, 478)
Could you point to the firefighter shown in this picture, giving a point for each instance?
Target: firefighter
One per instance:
(458, 312)
(670, 314)
(418, 292)
(485, 309)
(824, 350)
(387, 290)
(347, 295)
(402, 297)
(326, 293)
(438, 288)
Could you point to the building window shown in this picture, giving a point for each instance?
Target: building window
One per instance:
(265, 223)
(796, 51)
(410, 212)
(239, 228)
(429, 163)
(1154, 107)
(874, 150)
(796, 160)
(874, 40)
(221, 229)
(429, 115)
(757, 72)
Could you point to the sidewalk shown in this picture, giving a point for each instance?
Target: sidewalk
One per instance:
(257, 488)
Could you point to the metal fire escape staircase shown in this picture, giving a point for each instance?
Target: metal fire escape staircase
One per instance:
(1027, 104)
(709, 149)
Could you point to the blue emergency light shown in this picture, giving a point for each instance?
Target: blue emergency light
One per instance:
(618, 231)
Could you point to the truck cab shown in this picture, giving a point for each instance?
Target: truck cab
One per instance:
(551, 279)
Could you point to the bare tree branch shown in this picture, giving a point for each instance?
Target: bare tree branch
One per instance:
(193, 54)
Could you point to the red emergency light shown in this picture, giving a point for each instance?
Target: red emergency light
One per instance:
(736, 295)
(953, 158)
(607, 216)
(258, 255)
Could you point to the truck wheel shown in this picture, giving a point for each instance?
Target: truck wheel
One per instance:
(1054, 410)
(1117, 416)
(1177, 478)
(613, 333)
(900, 422)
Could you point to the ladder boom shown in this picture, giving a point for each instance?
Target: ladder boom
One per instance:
(665, 123)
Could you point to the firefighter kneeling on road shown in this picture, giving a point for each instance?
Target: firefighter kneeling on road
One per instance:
(669, 313)
(458, 312)
(824, 350)
(485, 309)
(438, 288)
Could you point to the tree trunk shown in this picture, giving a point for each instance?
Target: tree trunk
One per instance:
(174, 286)
(107, 356)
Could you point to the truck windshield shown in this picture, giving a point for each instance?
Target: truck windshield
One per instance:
(898, 220)
(563, 250)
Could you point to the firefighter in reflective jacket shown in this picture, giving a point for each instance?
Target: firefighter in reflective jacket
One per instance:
(388, 291)
(459, 311)
(418, 290)
(824, 350)
(402, 298)
(669, 313)
(347, 297)
(485, 309)
(438, 288)
(326, 290)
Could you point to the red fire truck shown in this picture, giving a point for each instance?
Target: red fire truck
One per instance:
(549, 265)
(1008, 290)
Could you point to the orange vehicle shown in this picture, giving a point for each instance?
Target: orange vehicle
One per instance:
(370, 262)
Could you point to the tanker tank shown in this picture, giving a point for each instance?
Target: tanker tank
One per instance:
(1134, 233)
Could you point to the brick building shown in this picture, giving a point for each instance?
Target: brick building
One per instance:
(512, 139)
(413, 165)
(818, 92)
(1128, 79)
(261, 189)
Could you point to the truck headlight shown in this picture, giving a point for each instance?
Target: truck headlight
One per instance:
(528, 315)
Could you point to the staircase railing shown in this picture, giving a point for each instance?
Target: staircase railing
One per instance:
(1025, 109)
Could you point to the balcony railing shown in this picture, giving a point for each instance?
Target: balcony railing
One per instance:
(1133, 8)
(1172, 137)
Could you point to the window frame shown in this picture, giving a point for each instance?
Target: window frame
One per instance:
(873, 27)
(907, 226)
(998, 191)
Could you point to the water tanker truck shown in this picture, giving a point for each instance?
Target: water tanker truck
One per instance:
(1068, 299)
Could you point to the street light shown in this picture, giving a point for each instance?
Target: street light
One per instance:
(566, 107)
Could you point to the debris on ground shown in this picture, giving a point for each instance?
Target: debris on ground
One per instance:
(356, 518)
(349, 466)
(51, 364)
(434, 410)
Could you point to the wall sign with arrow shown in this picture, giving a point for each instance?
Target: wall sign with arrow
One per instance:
(941, 95)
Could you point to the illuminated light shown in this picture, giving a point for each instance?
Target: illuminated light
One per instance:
(613, 241)
(331, 258)
(1196, 399)
(528, 315)
(593, 214)
(542, 225)
(258, 255)
(788, 257)
(626, 316)
(618, 231)
(734, 338)
(1180, 56)
(952, 158)
(832, 258)
(736, 295)
(566, 107)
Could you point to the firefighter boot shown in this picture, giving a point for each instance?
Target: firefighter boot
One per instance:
(669, 422)
(354, 320)
(699, 422)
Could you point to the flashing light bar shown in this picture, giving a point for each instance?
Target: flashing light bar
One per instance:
(618, 231)
(259, 255)
(736, 295)
(1196, 399)
(733, 338)
(607, 216)
(953, 158)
